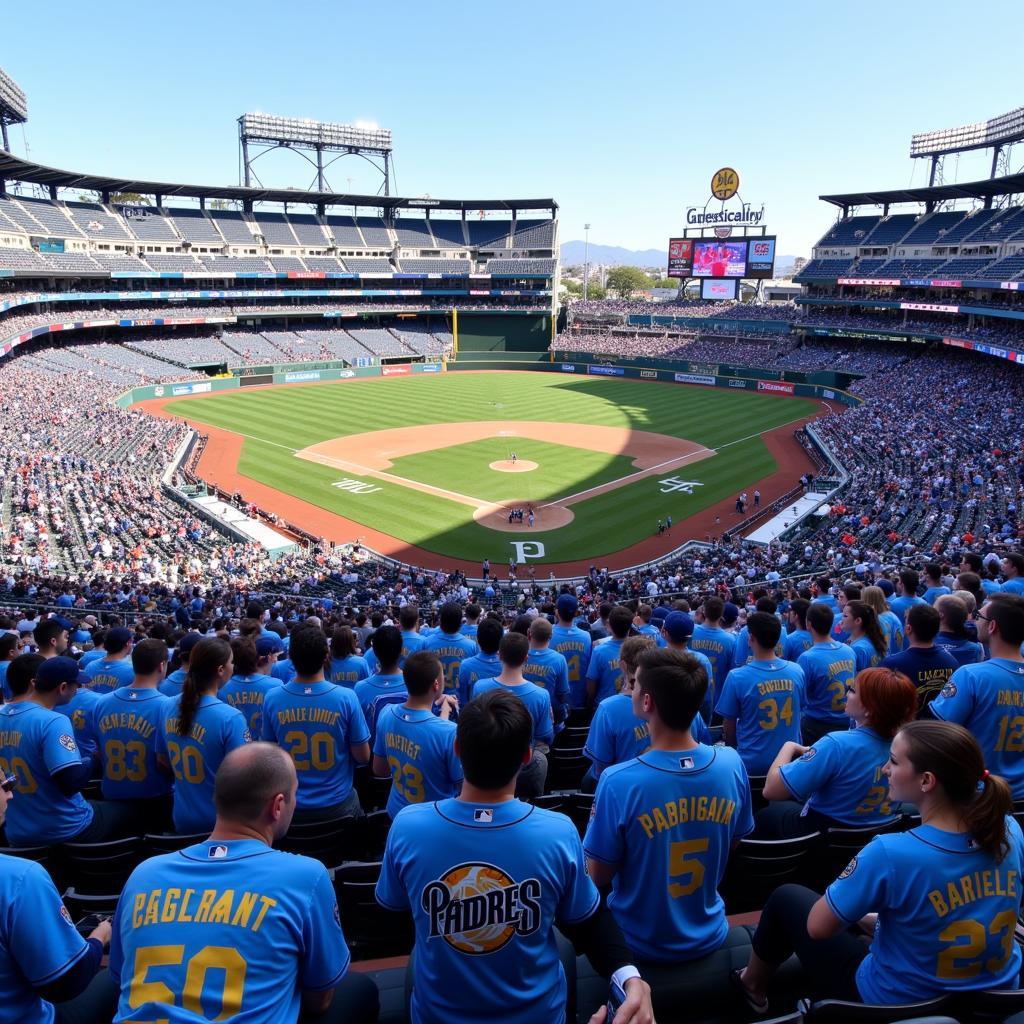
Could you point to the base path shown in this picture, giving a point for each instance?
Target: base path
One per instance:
(219, 465)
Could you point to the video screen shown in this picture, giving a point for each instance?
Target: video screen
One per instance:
(680, 257)
(715, 290)
(719, 258)
(760, 257)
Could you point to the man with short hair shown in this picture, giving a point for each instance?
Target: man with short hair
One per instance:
(322, 728)
(472, 623)
(971, 562)
(1013, 573)
(10, 647)
(244, 929)
(761, 701)
(742, 653)
(513, 652)
(451, 646)
(527, 861)
(925, 664)
(821, 593)
(115, 668)
(412, 744)
(412, 641)
(934, 587)
(798, 639)
(987, 698)
(484, 665)
(51, 637)
(676, 630)
(713, 642)
(386, 684)
(574, 644)
(600, 629)
(906, 591)
(643, 625)
(547, 668)
(953, 613)
(21, 677)
(604, 678)
(828, 667)
(247, 688)
(665, 868)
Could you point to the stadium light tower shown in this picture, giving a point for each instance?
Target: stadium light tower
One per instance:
(13, 106)
(586, 260)
(306, 137)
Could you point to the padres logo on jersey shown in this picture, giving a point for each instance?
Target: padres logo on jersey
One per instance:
(477, 908)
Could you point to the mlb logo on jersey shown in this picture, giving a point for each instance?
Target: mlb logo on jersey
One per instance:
(217, 852)
(484, 814)
(685, 763)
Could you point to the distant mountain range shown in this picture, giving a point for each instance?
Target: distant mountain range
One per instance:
(614, 255)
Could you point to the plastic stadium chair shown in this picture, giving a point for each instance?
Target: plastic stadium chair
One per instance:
(572, 737)
(580, 807)
(757, 867)
(757, 800)
(99, 868)
(157, 843)
(839, 1011)
(373, 790)
(81, 905)
(370, 930)
(47, 856)
(579, 716)
(566, 768)
(376, 827)
(333, 841)
(840, 845)
(560, 802)
(988, 1006)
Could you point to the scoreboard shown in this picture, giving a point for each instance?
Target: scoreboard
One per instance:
(750, 258)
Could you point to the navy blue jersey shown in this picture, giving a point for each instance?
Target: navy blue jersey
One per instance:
(828, 667)
(126, 724)
(841, 777)
(38, 942)
(669, 819)
(946, 913)
(229, 930)
(318, 724)
(764, 698)
(419, 748)
(36, 743)
(928, 668)
(485, 885)
(988, 699)
(965, 650)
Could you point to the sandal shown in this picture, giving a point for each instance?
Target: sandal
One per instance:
(736, 978)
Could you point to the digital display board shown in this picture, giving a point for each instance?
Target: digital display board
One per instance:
(718, 289)
(680, 257)
(719, 258)
(760, 257)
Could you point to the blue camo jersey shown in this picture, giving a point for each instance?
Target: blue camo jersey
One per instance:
(604, 669)
(79, 709)
(318, 724)
(574, 644)
(106, 675)
(35, 743)
(841, 777)
(38, 942)
(796, 643)
(828, 666)
(348, 671)
(225, 930)
(717, 645)
(988, 699)
(550, 670)
(480, 666)
(537, 702)
(946, 913)
(485, 884)
(126, 724)
(617, 735)
(765, 699)
(217, 729)
(669, 818)
(452, 649)
(247, 694)
(419, 748)
(864, 654)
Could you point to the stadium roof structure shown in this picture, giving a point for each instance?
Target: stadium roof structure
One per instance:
(985, 190)
(13, 168)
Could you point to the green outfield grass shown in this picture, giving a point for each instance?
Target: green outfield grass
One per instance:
(278, 422)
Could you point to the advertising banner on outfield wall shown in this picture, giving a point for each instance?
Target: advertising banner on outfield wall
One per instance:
(568, 367)
(294, 378)
(694, 378)
(776, 386)
(649, 374)
(735, 382)
(403, 370)
(606, 371)
(430, 368)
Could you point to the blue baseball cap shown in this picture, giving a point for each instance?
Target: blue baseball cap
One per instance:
(266, 645)
(678, 626)
(55, 671)
(567, 606)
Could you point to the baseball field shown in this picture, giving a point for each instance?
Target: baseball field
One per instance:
(432, 464)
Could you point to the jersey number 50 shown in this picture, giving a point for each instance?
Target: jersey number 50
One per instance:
(225, 963)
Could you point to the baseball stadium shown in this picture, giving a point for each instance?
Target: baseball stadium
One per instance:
(389, 633)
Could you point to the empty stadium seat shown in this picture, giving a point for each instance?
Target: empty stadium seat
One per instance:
(376, 827)
(156, 844)
(757, 867)
(839, 1011)
(370, 930)
(566, 768)
(83, 905)
(332, 841)
(101, 867)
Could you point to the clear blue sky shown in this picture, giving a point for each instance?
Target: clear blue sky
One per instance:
(619, 112)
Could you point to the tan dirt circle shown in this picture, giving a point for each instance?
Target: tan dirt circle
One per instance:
(508, 466)
(546, 517)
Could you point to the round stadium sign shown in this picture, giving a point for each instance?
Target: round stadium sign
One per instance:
(725, 183)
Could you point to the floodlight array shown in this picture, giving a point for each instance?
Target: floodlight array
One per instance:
(13, 105)
(1005, 128)
(306, 132)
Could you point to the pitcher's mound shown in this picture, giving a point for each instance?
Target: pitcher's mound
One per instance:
(550, 517)
(519, 466)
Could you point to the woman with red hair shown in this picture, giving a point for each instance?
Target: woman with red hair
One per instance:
(839, 782)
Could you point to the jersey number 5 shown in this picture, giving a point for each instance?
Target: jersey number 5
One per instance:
(682, 865)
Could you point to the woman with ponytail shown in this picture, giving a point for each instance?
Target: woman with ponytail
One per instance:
(941, 900)
(198, 733)
(840, 781)
(866, 638)
(889, 622)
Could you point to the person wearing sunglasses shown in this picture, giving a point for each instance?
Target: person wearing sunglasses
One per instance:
(43, 958)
